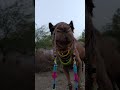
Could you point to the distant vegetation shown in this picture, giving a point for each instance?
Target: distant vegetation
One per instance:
(43, 38)
(82, 37)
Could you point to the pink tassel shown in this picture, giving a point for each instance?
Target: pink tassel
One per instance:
(54, 75)
(76, 77)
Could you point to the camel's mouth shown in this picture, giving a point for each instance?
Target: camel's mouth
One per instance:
(63, 45)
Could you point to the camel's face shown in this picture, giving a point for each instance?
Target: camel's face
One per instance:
(62, 33)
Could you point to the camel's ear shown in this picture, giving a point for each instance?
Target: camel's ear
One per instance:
(51, 27)
(71, 25)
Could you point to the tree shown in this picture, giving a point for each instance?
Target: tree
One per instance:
(43, 38)
(16, 27)
(82, 37)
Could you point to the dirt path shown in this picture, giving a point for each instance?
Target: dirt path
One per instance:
(43, 81)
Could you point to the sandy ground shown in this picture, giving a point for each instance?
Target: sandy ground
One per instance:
(43, 81)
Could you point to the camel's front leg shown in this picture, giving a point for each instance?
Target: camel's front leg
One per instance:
(66, 72)
(79, 64)
(79, 76)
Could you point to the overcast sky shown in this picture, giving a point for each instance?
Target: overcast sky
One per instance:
(61, 11)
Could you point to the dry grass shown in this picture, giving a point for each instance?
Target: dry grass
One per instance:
(43, 60)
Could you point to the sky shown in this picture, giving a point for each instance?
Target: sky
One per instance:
(55, 11)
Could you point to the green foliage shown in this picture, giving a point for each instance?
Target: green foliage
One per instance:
(43, 38)
(82, 37)
(45, 43)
